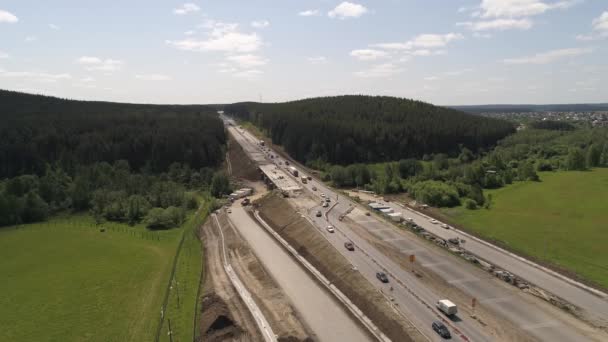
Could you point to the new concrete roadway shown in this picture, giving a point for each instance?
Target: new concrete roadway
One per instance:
(324, 315)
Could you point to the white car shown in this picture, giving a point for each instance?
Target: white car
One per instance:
(445, 226)
(325, 204)
(433, 221)
(330, 229)
(323, 195)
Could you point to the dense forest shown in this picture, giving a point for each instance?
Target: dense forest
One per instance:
(121, 162)
(39, 130)
(366, 129)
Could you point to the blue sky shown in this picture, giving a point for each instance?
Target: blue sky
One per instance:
(441, 51)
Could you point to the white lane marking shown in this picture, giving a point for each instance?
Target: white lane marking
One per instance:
(463, 280)
(394, 239)
(432, 264)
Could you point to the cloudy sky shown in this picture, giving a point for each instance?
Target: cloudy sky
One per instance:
(217, 51)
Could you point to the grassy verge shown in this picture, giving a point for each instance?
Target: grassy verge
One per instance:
(561, 220)
(183, 302)
(64, 280)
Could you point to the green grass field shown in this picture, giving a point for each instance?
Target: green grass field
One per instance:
(63, 280)
(563, 220)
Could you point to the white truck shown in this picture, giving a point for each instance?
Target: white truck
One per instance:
(447, 307)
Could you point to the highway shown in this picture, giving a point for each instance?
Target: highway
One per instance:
(595, 305)
(323, 314)
(524, 314)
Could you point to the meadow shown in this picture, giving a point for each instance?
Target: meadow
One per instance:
(65, 280)
(561, 220)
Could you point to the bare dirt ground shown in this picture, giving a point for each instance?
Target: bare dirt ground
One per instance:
(225, 317)
(238, 163)
(310, 244)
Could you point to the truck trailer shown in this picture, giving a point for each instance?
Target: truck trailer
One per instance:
(447, 307)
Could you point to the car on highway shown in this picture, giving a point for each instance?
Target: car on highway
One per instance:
(286, 162)
(322, 195)
(324, 204)
(441, 329)
(445, 226)
(229, 211)
(314, 188)
(309, 178)
(382, 277)
(433, 221)
(318, 214)
(349, 245)
(367, 213)
(327, 199)
(331, 229)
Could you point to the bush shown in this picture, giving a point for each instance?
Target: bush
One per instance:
(436, 193)
(470, 204)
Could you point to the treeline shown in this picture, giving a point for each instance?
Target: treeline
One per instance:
(111, 192)
(121, 162)
(442, 181)
(552, 125)
(39, 130)
(364, 129)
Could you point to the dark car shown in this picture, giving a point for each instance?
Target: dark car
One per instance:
(382, 277)
(349, 245)
(318, 213)
(441, 329)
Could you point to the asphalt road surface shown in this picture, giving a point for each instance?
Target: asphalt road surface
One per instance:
(323, 314)
(524, 314)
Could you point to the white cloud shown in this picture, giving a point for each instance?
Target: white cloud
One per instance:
(427, 52)
(309, 13)
(35, 76)
(368, 54)
(462, 9)
(260, 24)
(7, 17)
(153, 77)
(186, 8)
(247, 61)
(223, 37)
(600, 29)
(317, 60)
(424, 41)
(520, 8)
(601, 23)
(347, 10)
(98, 64)
(3, 55)
(29, 39)
(53, 27)
(248, 74)
(431, 78)
(498, 24)
(379, 70)
(549, 56)
(87, 79)
(189, 33)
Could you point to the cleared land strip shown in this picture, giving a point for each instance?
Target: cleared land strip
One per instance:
(257, 314)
